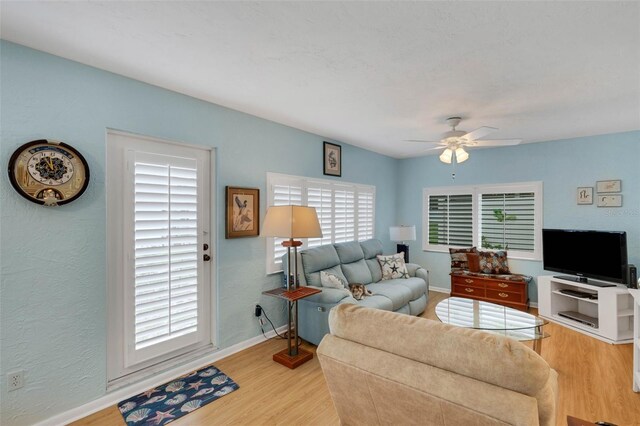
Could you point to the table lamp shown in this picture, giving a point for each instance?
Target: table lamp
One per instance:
(403, 233)
(292, 222)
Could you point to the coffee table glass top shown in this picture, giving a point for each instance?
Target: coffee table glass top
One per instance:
(490, 317)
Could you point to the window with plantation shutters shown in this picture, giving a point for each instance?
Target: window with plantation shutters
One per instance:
(346, 212)
(507, 221)
(160, 218)
(493, 217)
(450, 219)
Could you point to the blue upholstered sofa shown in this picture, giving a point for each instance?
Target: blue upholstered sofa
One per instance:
(356, 262)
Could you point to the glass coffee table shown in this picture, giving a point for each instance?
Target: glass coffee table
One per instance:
(497, 319)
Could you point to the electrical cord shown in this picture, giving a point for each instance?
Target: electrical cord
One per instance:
(278, 335)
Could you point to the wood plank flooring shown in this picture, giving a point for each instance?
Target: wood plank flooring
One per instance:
(594, 384)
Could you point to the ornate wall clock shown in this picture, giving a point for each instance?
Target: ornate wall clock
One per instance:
(48, 172)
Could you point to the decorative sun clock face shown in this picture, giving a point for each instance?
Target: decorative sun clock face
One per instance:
(48, 172)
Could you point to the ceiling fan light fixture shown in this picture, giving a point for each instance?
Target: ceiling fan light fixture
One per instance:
(461, 155)
(446, 156)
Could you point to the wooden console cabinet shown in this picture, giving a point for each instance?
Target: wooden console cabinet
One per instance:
(508, 293)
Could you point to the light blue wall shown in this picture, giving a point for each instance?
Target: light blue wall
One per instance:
(53, 289)
(562, 166)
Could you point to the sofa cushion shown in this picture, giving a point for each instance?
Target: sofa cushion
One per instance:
(417, 286)
(459, 258)
(371, 248)
(375, 269)
(398, 294)
(315, 280)
(393, 266)
(332, 281)
(376, 301)
(318, 258)
(357, 272)
(494, 262)
(349, 252)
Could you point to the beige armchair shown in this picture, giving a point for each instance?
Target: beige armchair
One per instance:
(387, 368)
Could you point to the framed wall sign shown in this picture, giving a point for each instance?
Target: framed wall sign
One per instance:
(605, 200)
(608, 186)
(332, 156)
(243, 212)
(585, 195)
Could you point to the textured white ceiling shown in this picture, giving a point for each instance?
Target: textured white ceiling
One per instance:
(367, 73)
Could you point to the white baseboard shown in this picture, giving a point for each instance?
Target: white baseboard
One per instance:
(120, 394)
(439, 289)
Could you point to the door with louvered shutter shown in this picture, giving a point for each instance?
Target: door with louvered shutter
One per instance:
(320, 196)
(507, 221)
(284, 192)
(450, 220)
(344, 223)
(167, 309)
(366, 211)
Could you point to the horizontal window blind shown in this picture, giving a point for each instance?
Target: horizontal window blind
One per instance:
(493, 217)
(346, 212)
(166, 270)
(451, 220)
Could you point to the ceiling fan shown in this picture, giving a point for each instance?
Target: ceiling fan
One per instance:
(454, 141)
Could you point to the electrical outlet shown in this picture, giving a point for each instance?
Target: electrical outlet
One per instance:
(15, 380)
(258, 311)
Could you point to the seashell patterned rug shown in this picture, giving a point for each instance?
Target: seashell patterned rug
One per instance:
(177, 398)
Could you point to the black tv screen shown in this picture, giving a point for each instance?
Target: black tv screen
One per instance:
(595, 254)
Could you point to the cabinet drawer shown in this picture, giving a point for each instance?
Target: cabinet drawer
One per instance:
(504, 286)
(467, 290)
(507, 296)
(467, 281)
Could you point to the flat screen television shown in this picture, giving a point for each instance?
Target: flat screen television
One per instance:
(601, 255)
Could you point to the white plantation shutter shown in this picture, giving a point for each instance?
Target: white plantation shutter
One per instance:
(346, 212)
(320, 196)
(507, 216)
(508, 221)
(166, 251)
(450, 220)
(366, 209)
(344, 221)
(160, 286)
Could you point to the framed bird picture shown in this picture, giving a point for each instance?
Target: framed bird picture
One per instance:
(243, 212)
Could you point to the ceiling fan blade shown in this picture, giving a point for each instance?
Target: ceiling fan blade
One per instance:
(421, 141)
(496, 142)
(434, 148)
(478, 133)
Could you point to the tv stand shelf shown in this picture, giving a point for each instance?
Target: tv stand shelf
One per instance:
(612, 310)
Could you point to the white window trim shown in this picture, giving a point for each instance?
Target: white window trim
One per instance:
(303, 181)
(118, 374)
(476, 191)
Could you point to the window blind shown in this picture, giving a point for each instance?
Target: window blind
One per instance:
(507, 221)
(346, 212)
(166, 250)
(451, 220)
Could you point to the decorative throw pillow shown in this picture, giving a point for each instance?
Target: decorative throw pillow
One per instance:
(393, 266)
(473, 260)
(332, 280)
(459, 258)
(494, 262)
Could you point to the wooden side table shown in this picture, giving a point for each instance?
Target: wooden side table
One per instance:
(293, 356)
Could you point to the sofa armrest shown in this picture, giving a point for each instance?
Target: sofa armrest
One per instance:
(418, 271)
(328, 295)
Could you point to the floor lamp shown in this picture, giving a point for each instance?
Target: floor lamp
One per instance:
(401, 234)
(292, 222)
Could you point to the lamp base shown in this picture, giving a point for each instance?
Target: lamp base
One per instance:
(405, 249)
(292, 362)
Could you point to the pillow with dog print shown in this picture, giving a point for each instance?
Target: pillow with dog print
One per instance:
(331, 280)
(393, 266)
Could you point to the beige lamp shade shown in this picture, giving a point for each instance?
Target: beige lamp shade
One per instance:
(402, 233)
(291, 222)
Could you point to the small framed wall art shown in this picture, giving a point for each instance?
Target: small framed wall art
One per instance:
(605, 200)
(243, 212)
(606, 186)
(585, 195)
(332, 158)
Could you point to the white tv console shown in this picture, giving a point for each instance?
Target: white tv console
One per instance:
(636, 337)
(613, 309)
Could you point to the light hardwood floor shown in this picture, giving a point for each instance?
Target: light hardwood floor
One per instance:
(594, 384)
